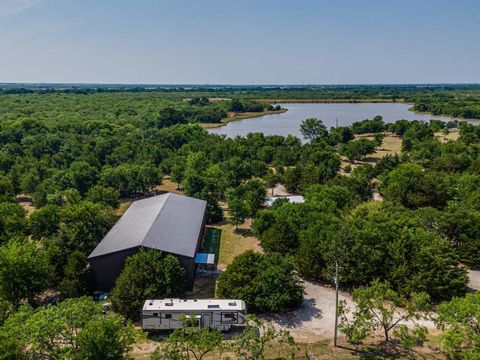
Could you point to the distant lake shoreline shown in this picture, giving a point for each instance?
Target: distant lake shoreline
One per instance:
(331, 113)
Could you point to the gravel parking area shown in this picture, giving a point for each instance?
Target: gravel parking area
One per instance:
(315, 319)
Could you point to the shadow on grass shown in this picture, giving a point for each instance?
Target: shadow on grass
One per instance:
(244, 232)
(383, 350)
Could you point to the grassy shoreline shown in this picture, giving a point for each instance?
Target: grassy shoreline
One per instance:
(241, 116)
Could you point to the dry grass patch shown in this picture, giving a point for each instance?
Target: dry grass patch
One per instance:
(235, 242)
(232, 116)
(391, 145)
(453, 135)
(169, 186)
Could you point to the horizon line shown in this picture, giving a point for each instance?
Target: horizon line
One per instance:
(236, 84)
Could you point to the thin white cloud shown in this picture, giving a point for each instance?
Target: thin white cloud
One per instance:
(11, 7)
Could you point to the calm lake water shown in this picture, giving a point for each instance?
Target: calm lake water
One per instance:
(289, 122)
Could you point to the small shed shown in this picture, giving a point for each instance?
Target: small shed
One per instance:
(170, 223)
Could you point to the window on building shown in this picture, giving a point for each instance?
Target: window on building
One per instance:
(168, 316)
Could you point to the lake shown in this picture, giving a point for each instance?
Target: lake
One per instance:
(345, 113)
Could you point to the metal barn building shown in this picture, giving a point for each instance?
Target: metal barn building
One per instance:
(170, 223)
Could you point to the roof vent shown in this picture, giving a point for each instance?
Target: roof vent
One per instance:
(233, 303)
(213, 306)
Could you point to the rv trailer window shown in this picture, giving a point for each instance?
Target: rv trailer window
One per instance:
(168, 316)
(229, 318)
(155, 314)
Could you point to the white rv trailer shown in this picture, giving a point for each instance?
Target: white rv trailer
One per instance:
(167, 314)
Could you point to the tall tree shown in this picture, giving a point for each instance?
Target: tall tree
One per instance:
(312, 128)
(25, 270)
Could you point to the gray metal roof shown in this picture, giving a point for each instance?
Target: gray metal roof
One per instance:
(167, 222)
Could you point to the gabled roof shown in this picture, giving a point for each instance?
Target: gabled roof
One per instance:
(167, 222)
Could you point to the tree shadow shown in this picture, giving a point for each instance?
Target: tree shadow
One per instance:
(297, 317)
(383, 350)
(244, 232)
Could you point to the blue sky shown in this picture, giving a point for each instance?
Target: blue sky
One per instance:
(240, 41)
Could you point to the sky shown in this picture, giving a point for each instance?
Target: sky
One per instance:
(240, 41)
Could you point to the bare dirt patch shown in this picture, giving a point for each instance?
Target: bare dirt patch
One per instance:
(26, 202)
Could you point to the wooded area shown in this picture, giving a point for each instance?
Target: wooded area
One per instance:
(78, 152)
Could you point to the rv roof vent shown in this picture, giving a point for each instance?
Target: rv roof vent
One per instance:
(233, 303)
(151, 303)
(169, 303)
(195, 300)
(213, 306)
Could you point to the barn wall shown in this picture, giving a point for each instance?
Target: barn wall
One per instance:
(107, 268)
(190, 268)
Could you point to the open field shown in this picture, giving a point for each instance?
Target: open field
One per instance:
(391, 145)
(451, 136)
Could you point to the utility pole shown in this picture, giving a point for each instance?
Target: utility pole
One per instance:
(336, 304)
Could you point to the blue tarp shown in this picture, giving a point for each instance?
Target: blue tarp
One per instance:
(204, 258)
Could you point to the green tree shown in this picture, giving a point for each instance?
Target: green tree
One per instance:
(76, 279)
(413, 187)
(259, 335)
(238, 211)
(81, 176)
(376, 307)
(83, 225)
(272, 179)
(45, 222)
(12, 221)
(188, 342)
(459, 319)
(312, 128)
(106, 196)
(358, 149)
(10, 348)
(25, 270)
(264, 282)
(147, 275)
(104, 337)
(281, 237)
(75, 328)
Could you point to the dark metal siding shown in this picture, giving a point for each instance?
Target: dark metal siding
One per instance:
(107, 268)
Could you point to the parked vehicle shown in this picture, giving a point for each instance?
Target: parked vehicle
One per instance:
(169, 314)
(99, 296)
